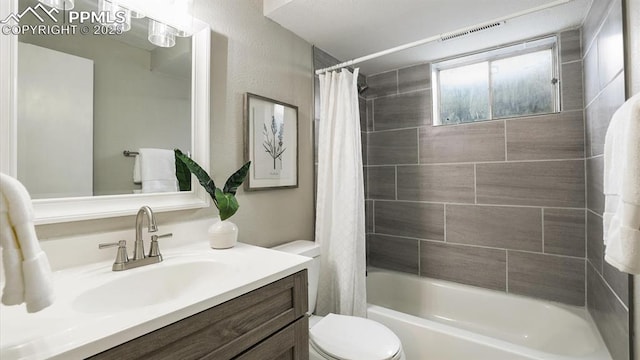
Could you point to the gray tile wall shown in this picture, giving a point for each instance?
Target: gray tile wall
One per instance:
(497, 204)
(526, 243)
(602, 53)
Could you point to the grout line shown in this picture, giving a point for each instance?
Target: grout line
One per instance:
(451, 126)
(586, 283)
(373, 118)
(593, 157)
(570, 62)
(373, 216)
(506, 258)
(601, 91)
(600, 26)
(585, 232)
(481, 204)
(397, 81)
(506, 157)
(480, 162)
(418, 144)
(395, 173)
(475, 184)
(419, 258)
(586, 153)
(425, 89)
(586, 212)
(412, 238)
(593, 212)
(542, 223)
(478, 246)
(445, 223)
(609, 287)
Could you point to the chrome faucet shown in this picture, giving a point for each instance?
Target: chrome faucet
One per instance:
(139, 259)
(138, 249)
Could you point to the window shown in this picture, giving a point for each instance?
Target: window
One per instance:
(512, 81)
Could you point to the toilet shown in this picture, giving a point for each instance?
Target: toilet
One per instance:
(340, 337)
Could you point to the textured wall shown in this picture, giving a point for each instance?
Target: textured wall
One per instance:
(604, 79)
(249, 54)
(497, 204)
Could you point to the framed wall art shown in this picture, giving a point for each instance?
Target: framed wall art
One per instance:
(271, 143)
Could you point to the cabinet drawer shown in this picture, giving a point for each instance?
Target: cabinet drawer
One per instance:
(225, 330)
(290, 343)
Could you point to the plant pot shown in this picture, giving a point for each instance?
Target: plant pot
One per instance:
(223, 235)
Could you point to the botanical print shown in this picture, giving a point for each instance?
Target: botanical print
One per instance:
(273, 143)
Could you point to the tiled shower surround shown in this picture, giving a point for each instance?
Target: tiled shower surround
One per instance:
(513, 205)
(498, 204)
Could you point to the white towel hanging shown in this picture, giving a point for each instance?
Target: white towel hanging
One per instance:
(621, 218)
(158, 170)
(27, 271)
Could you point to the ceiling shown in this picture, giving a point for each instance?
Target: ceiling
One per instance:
(348, 29)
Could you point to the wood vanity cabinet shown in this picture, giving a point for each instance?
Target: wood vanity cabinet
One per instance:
(268, 323)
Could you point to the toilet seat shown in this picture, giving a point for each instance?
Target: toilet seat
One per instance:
(348, 338)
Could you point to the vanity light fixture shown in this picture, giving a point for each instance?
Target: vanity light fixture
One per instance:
(114, 12)
(161, 34)
(116, 16)
(133, 14)
(59, 4)
(136, 14)
(181, 33)
(164, 35)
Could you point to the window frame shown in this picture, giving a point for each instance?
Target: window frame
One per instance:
(495, 54)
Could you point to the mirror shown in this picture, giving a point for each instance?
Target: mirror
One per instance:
(78, 101)
(121, 92)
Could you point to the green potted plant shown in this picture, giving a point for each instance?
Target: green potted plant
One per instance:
(223, 234)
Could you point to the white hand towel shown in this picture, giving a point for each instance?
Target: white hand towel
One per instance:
(23, 247)
(13, 292)
(621, 228)
(158, 170)
(137, 178)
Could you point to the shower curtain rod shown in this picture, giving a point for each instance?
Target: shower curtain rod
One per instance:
(441, 36)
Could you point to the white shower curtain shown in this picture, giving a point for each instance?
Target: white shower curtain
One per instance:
(340, 218)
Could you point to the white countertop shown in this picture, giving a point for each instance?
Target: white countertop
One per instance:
(62, 331)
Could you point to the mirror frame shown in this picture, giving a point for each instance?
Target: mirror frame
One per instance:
(94, 207)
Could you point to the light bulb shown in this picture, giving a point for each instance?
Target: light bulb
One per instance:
(114, 16)
(161, 34)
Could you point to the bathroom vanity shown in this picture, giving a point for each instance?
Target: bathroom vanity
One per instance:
(267, 323)
(246, 302)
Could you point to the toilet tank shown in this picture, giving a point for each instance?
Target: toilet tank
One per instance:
(309, 249)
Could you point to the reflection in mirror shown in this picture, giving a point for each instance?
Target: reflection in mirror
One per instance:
(84, 98)
(125, 111)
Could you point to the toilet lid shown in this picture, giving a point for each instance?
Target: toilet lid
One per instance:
(349, 337)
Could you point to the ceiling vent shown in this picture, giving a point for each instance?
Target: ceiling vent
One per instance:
(455, 35)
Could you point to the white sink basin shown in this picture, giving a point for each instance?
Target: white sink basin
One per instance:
(149, 285)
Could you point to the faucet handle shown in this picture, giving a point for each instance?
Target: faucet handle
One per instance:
(154, 250)
(113, 244)
(121, 256)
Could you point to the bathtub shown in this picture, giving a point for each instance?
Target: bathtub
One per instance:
(441, 320)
